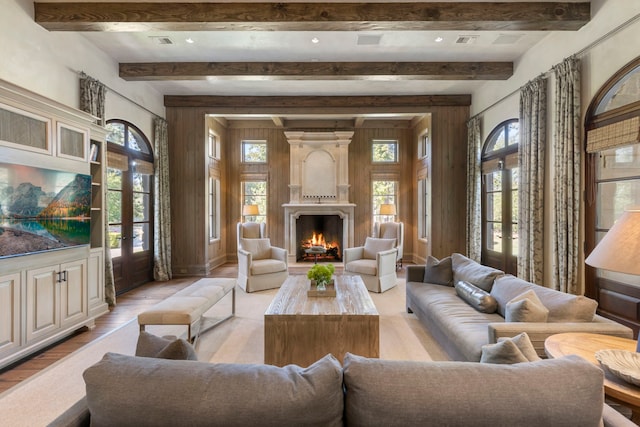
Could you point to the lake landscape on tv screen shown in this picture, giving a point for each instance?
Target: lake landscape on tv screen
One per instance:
(42, 209)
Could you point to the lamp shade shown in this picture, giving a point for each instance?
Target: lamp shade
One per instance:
(619, 249)
(250, 210)
(387, 209)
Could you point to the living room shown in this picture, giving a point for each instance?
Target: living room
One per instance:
(604, 45)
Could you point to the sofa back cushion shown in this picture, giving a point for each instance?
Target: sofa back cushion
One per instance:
(410, 393)
(128, 390)
(373, 245)
(438, 272)
(562, 307)
(468, 270)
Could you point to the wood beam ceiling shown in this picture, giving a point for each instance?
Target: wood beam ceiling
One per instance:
(416, 16)
(318, 70)
(283, 105)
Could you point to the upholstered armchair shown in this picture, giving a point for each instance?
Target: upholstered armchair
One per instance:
(375, 262)
(260, 265)
(391, 230)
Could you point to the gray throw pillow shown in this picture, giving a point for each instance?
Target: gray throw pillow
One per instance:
(526, 307)
(438, 272)
(476, 297)
(168, 347)
(523, 342)
(504, 352)
(470, 271)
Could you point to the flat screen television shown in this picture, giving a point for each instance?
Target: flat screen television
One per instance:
(42, 209)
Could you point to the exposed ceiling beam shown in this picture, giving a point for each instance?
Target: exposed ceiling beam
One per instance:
(280, 105)
(318, 70)
(416, 16)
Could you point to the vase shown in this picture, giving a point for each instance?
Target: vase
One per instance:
(321, 285)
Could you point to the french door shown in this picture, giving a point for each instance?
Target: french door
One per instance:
(129, 206)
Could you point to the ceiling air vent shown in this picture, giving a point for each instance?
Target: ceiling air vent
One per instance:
(466, 39)
(369, 40)
(161, 40)
(507, 39)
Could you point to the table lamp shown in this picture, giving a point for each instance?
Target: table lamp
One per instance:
(619, 249)
(250, 210)
(388, 209)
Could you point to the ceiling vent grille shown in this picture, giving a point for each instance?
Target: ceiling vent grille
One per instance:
(161, 40)
(466, 39)
(369, 40)
(507, 39)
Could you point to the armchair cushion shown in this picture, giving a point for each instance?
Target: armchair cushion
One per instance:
(266, 266)
(363, 266)
(372, 246)
(251, 230)
(259, 248)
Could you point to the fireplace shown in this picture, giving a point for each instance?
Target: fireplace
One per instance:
(320, 238)
(319, 193)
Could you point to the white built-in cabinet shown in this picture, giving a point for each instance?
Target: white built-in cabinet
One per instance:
(46, 296)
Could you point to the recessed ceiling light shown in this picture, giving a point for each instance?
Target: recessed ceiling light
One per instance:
(438, 39)
(190, 40)
(315, 40)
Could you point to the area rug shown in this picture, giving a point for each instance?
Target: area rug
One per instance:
(40, 399)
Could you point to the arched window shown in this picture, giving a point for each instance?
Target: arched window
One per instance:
(612, 185)
(500, 180)
(129, 204)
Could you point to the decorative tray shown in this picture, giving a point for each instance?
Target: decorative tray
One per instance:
(621, 363)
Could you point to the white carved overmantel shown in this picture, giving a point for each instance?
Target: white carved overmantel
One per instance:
(319, 182)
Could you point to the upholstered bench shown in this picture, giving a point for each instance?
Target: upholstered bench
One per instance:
(187, 307)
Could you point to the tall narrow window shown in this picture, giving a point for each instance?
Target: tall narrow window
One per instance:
(384, 193)
(213, 145)
(500, 180)
(385, 151)
(214, 208)
(423, 208)
(255, 193)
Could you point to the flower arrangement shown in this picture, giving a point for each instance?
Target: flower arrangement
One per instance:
(321, 273)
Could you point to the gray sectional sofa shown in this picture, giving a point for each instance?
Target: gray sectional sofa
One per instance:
(141, 391)
(466, 305)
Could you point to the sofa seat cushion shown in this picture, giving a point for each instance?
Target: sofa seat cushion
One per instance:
(461, 394)
(128, 390)
(460, 322)
(266, 266)
(562, 307)
(363, 266)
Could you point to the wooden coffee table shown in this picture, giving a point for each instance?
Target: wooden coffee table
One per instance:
(585, 345)
(300, 330)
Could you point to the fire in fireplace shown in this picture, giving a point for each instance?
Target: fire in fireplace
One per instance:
(320, 238)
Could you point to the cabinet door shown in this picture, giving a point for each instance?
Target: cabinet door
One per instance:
(43, 302)
(73, 292)
(10, 311)
(95, 285)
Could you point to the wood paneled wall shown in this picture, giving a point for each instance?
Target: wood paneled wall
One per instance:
(192, 253)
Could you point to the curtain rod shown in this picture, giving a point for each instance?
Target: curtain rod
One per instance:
(82, 73)
(578, 54)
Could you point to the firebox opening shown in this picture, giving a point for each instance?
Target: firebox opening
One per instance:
(319, 231)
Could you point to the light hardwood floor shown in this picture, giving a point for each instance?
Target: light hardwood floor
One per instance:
(128, 306)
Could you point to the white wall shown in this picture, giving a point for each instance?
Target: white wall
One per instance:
(48, 63)
(499, 101)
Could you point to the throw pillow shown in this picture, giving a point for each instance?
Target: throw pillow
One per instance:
(476, 297)
(470, 271)
(504, 352)
(523, 342)
(438, 272)
(259, 248)
(168, 347)
(526, 307)
(373, 245)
